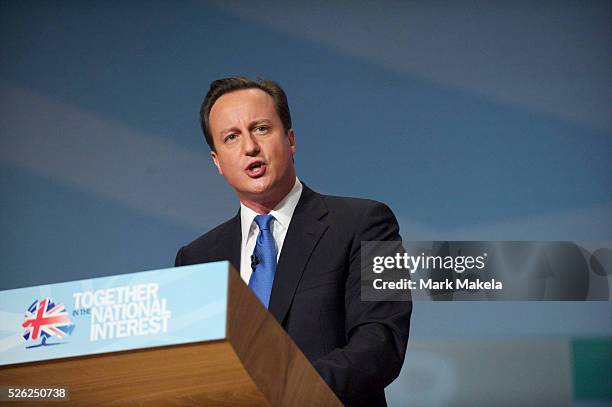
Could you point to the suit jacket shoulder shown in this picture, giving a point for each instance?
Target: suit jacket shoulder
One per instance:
(220, 243)
(361, 219)
(353, 208)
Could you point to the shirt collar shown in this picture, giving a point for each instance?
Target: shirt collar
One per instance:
(282, 212)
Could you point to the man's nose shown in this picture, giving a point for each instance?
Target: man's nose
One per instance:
(250, 145)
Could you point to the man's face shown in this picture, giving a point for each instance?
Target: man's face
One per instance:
(253, 152)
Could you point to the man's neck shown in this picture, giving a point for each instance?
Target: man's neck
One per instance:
(260, 207)
(263, 206)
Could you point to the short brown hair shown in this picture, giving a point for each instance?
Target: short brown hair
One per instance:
(220, 87)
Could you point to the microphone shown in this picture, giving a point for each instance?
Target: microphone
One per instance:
(254, 262)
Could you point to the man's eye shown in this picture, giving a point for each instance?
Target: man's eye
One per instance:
(261, 129)
(231, 137)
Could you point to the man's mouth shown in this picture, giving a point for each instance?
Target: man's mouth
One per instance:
(256, 169)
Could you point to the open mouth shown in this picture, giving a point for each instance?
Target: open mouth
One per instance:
(256, 169)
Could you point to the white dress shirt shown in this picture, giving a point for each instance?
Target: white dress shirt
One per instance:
(283, 212)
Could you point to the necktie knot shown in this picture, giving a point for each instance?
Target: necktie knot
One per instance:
(263, 221)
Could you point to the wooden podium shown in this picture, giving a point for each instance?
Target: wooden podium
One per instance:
(257, 364)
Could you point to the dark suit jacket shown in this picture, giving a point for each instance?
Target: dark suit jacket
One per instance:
(357, 346)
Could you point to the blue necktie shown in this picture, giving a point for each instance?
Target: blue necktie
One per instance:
(265, 258)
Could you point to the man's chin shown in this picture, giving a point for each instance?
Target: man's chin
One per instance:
(264, 190)
(257, 190)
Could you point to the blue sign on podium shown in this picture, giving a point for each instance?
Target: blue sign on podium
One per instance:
(107, 314)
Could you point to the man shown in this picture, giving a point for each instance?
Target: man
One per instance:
(299, 251)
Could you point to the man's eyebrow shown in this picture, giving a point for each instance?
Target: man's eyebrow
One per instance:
(229, 129)
(253, 124)
(259, 121)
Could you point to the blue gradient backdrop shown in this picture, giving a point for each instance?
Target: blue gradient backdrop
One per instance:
(473, 121)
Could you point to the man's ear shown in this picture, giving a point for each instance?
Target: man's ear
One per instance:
(215, 159)
(291, 137)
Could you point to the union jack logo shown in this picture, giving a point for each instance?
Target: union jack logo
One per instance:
(44, 319)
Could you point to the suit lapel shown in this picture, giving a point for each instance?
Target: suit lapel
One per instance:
(305, 231)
